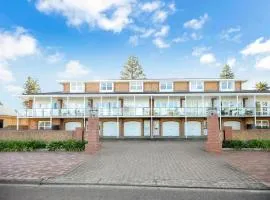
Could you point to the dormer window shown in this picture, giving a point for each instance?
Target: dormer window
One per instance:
(77, 86)
(106, 86)
(136, 86)
(166, 86)
(226, 85)
(196, 86)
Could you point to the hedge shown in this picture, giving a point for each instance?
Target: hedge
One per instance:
(69, 145)
(31, 145)
(239, 144)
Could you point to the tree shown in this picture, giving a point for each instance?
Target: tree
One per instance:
(227, 73)
(31, 86)
(132, 69)
(262, 86)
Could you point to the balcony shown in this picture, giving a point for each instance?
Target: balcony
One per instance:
(142, 112)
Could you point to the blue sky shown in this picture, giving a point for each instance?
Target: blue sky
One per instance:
(83, 40)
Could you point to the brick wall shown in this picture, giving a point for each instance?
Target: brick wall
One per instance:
(121, 87)
(250, 134)
(181, 86)
(92, 87)
(46, 135)
(211, 86)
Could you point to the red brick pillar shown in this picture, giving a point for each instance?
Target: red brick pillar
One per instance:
(228, 132)
(78, 134)
(214, 141)
(92, 136)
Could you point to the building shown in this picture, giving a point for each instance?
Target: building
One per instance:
(149, 108)
(7, 117)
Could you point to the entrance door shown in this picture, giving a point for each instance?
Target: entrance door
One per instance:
(132, 129)
(146, 128)
(1, 123)
(156, 128)
(170, 129)
(193, 128)
(110, 129)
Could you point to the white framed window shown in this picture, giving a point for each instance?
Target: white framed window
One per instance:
(166, 86)
(106, 86)
(44, 125)
(136, 86)
(226, 85)
(77, 86)
(196, 86)
(262, 123)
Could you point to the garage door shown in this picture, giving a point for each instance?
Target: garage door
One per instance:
(110, 129)
(71, 126)
(132, 129)
(193, 128)
(234, 124)
(170, 129)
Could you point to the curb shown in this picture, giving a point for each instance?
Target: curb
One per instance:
(43, 182)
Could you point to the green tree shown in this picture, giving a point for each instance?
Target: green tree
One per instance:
(262, 86)
(132, 69)
(227, 73)
(31, 86)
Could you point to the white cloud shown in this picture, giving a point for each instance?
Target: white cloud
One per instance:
(160, 43)
(5, 74)
(207, 58)
(180, 39)
(198, 51)
(163, 31)
(74, 70)
(151, 6)
(231, 62)
(134, 40)
(172, 7)
(160, 16)
(110, 15)
(16, 44)
(55, 58)
(196, 23)
(14, 89)
(231, 34)
(195, 36)
(264, 63)
(259, 46)
(147, 33)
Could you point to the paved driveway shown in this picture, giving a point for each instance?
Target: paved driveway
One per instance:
(158, 163)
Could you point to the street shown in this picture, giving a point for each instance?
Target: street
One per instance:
(76, 192)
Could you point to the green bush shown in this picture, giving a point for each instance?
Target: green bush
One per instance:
(69, 145)
(31, 145)
(238, 144)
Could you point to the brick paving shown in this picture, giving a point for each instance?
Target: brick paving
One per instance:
(37, 165)
(256, 164)
(158, 163)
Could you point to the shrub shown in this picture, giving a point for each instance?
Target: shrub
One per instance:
(238, 144)
(10, 145)
(69, 145)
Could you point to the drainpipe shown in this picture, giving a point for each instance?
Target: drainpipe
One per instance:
(220, 123)
(185, 116)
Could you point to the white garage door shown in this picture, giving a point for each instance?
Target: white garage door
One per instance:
(170, 129)
(71, 126)
(193, 128)
(132, 129)
(234, 124)
(110, 129)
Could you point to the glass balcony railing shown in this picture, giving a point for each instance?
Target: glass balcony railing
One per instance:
(143, 111)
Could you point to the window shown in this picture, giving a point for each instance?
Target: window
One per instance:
(196, 86)
(44, 125)
(166, 86)
(226, 85)
(76, 86)
(262, 124)
(106, 86)
(136, 86)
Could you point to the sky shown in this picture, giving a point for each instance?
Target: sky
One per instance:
(85, 40)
